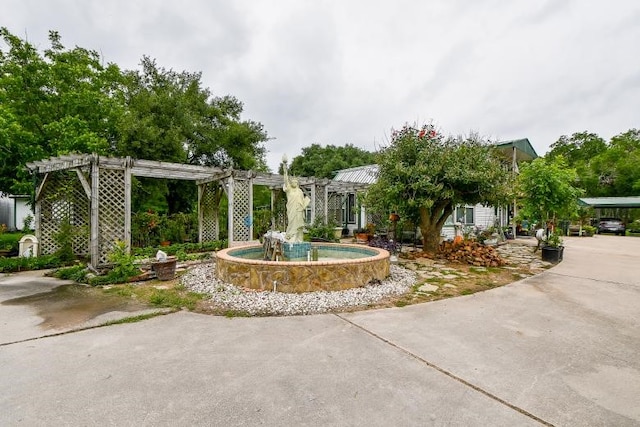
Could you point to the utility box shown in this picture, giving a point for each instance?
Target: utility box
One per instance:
(28, 246)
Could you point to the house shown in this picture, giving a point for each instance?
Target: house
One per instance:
(477, 216)
(13, 211)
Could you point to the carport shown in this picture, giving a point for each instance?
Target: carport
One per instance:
(611, 206)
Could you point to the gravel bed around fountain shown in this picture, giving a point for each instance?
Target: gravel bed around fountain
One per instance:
(266, 303)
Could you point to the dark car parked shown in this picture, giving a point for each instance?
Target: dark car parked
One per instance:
(611, 225)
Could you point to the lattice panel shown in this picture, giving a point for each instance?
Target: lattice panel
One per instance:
(280, 211)
(320, 201)
(209, 212)
(81, 218)
(241, 211)
(63, 198)
(334, 205)
(111, 196)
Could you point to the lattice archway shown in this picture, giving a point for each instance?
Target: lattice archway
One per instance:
(63, 199)
(94, 193)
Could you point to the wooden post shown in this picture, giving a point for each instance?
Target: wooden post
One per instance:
(313, 203)
(127, 203)
(250, 213)
(200, 212)
(515, 204)
(230, 209)
(94, 245)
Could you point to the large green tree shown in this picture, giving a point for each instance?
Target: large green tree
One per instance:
(603, 168)
(424, 176)
(170, 116)
(52, 104)
(547, 191)
(66, 100)
(323, 162)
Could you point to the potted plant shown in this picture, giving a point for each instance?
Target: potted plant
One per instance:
(361, 235)
(552, 250)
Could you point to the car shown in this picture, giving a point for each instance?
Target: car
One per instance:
(611, 225)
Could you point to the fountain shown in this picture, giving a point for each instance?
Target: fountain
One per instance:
(339, 266)
(286, 263)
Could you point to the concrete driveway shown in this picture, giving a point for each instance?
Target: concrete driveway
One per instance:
(560, 348)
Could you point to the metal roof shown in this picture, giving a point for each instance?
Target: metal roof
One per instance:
(611, 202)
(367, 174)
(524, 149)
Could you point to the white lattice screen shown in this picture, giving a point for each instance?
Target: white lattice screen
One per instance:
(280, 210)
(334, 206)
(63, 199)
(320, 201)
(209, 212)
(111, 197)
(241, 210)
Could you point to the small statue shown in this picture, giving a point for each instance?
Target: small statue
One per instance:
(297, 202)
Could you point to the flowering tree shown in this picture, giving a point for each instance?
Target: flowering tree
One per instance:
(423, 176)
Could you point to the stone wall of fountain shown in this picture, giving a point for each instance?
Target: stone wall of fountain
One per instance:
(340, 266)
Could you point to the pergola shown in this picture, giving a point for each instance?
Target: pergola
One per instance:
(94, 194)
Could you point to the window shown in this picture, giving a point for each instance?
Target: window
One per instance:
(351, 208)
(464, 215)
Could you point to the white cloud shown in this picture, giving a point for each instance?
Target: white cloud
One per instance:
(335, 72)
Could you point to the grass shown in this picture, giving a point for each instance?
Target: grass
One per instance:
(176, 297)
(133, 319)
(235, 313)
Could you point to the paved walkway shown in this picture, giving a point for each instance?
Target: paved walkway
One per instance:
(559, 348)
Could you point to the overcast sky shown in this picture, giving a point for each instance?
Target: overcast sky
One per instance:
(347, 71)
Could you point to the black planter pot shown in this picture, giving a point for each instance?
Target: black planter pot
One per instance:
(552, 254)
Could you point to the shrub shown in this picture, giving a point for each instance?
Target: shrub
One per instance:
(10, 242)
(9, 265)
(320, 230)
(384, 243)
(77, 273)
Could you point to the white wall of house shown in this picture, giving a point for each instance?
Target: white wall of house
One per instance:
(22, 210)
(477, 216)
(13, 211)
(6, 211)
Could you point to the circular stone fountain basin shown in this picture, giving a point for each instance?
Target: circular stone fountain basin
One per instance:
(339, 266)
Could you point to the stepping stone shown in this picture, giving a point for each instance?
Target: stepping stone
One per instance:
(428, 288)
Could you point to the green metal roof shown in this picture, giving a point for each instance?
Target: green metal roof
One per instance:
(524, 149)
(610, 202)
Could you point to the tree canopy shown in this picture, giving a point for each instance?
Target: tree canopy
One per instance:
(603, 168)
(56, 103)
(423, 175)
(65, 101)
(547, 190)
(323, 162)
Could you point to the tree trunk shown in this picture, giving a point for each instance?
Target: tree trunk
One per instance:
(431, 223)
(430, 238)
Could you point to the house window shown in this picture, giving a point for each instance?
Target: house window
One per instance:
(351, 208)
(464, 215)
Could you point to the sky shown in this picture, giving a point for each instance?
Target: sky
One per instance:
(348, 71)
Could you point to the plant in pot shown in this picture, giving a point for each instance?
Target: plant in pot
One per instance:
(545, 186)
(553, 248)
(361, 234)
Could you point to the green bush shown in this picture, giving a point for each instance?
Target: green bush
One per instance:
(634, 227)
(320, 230)
(187, 248)
(77, 273)
(10, 241)
(9, 265)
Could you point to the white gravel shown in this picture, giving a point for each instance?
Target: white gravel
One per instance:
(230, 297)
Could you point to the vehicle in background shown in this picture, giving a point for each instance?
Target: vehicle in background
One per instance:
(611, 225)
